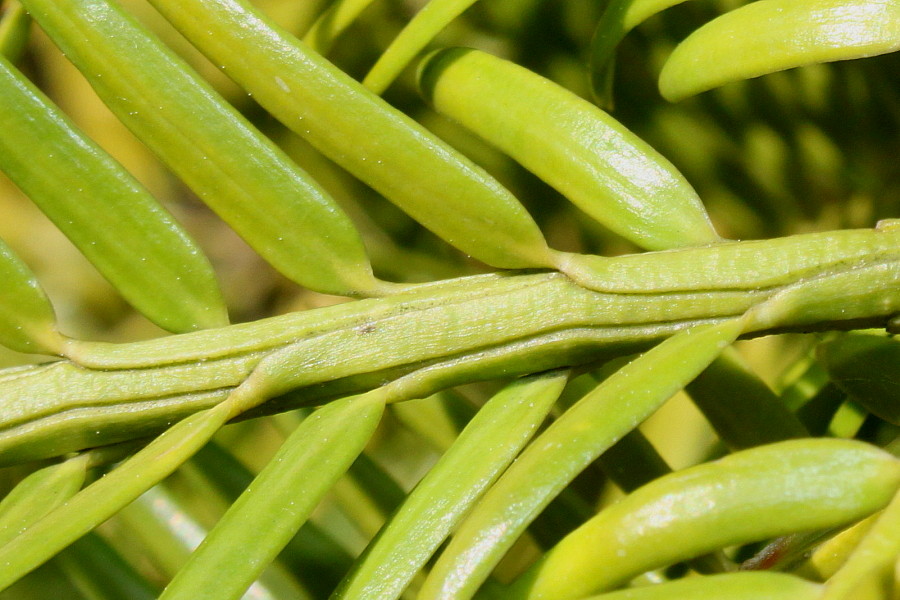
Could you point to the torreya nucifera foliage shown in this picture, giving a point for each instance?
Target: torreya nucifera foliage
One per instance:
(340, 333)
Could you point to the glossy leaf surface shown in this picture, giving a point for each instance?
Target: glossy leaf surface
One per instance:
(763, 492)
(480, 454)
(105, 212)
(773, 35)
(277, 208)
(377, 143)
(279, 500)
(588, 156)
(572, 442)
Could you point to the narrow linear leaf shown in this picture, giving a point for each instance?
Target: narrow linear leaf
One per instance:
(742, 409)
(869, 570)
(828, 557)
(15, 26)
(312, 556)
(633, 461)
(100, 573)
(369, 487)
(729, 586)
(104, 211)
(276, 207)
(262, 521)
(438, 419)
(106, 496)
(39, 493)
(27, 322)
(378, 144)
(417, 34)
(866, 367)
(773, 35)
(480, 454)
(571, 443)
(781, 488)
(167, 531)
(332, 23)
(585, 154)
(619, 17)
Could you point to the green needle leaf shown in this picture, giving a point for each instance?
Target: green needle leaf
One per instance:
(620, 17)
(742, 409)
(105, 497)
(39, 493)
(868, 573)
(588, 156)
(27, 322)
(277, 208)
(106, 213)
(375, 142)
(772, 490)
(773, 35)
(866, 367)
(427, 23)
(265, 517)
(332, 23)
(480, 454)
(571, 443)
(14, 31)
(316, 559)
(729, 586)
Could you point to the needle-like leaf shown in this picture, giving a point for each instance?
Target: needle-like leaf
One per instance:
(773, 35)
(276, 207)
(108, 215)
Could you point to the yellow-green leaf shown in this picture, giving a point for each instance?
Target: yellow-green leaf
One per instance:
(377, 143)
(104, 211)
(276, 207)
(772, 35)
(27, 322)
(591, 158)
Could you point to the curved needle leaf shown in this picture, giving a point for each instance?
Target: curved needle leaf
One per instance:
(729, 586)
(27, 322)
(268, 514)
(571, 443)
(105, 497)
(427, 23)
(767, 491)
(485, 447)
(276, 207)
(620, 17)
(588, 156)
(104, 211)
(375, 142)
(773, 35)
(332, 23)
(869, 571)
